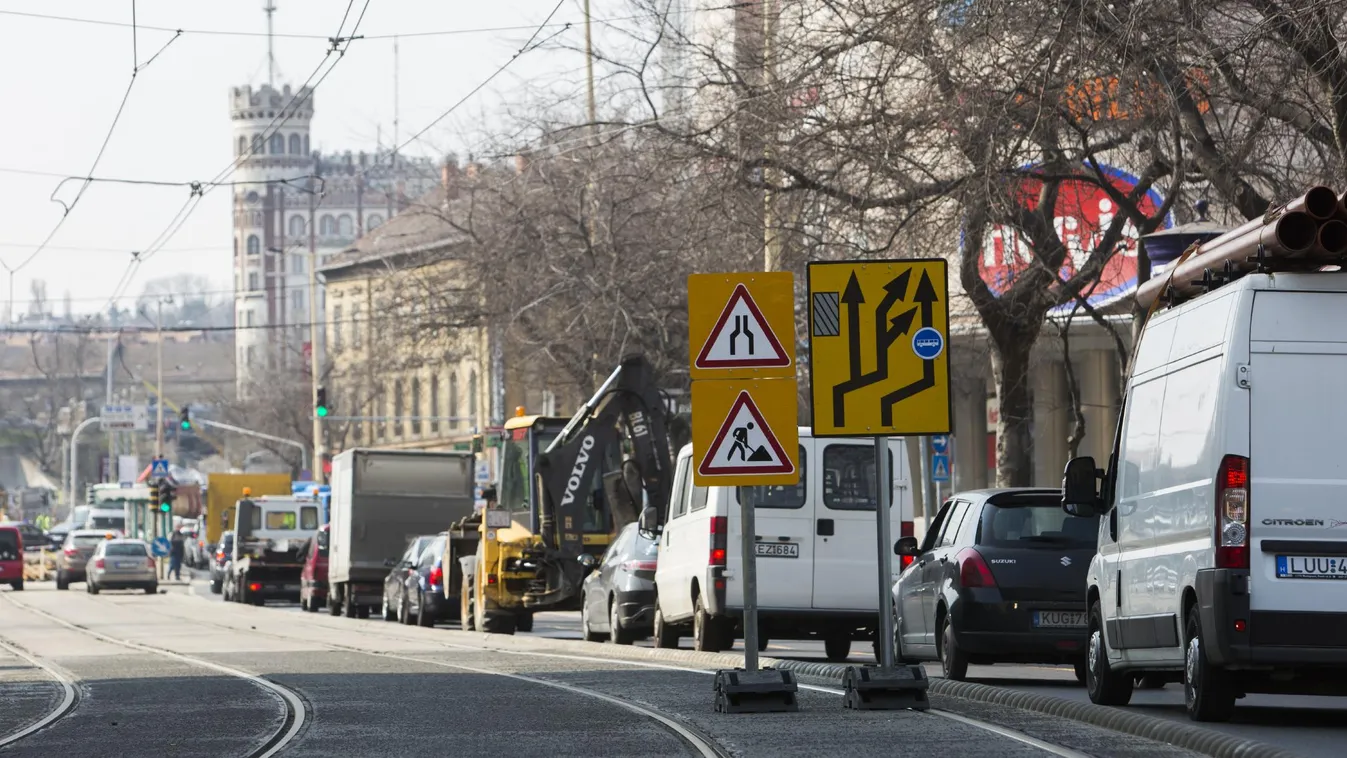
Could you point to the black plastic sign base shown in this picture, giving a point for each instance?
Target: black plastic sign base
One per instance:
(765, 691)
(872, 689)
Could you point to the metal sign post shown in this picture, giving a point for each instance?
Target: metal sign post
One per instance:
(745, 434)
(883, 502)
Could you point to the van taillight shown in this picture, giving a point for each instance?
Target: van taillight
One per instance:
(720, 527)
(436, 576)
(906, 531)
(973, 570)
(1232, 513)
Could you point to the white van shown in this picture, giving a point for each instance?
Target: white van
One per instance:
(1225, 498)
(817, 551)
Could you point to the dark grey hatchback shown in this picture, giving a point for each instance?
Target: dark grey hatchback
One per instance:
(998, 578)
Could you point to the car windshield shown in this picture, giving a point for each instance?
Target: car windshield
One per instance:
(9, 545)
(108, 522)
(126, 549)
(1036, 525)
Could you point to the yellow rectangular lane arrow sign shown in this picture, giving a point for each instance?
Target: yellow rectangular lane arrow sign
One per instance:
(741, 325)
(879, 347)
(745, 432)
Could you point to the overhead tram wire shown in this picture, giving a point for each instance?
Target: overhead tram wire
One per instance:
(338, 45)
(107, 138)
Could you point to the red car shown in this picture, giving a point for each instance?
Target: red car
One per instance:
(11, 557)
(313, 580)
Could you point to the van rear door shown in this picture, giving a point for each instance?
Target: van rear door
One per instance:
(1297, 469)
(784, 520)
(846, 561)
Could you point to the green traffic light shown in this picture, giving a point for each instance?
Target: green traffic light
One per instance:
(321, 411)
(165, 507)
(186, 426)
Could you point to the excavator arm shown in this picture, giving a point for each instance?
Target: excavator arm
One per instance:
(627, 409)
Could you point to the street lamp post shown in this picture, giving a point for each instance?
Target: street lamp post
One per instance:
(74, 458)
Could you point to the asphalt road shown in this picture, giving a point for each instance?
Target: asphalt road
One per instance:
(178, 674)
(1311, 726)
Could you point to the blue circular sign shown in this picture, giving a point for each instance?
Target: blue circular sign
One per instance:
(928, 343)
(160, 547)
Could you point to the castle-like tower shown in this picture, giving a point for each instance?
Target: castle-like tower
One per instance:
(291, 202)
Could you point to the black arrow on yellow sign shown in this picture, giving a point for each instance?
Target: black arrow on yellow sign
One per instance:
(926, 298)
(887, 331)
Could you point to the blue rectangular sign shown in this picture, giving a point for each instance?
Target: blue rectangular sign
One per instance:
(940, 468)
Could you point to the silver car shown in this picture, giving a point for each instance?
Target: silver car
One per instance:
(122, 564)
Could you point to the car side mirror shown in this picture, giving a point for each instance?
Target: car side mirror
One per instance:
(648, 524)
(389, 563)
(1080, 487)
(588, 561)
(906, 546)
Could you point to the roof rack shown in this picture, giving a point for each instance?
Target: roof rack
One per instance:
(1307, 234)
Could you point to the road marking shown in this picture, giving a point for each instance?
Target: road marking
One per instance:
(292, 702)
(68, 700)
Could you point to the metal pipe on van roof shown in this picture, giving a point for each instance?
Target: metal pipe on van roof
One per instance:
(1290, 234)
(1332, 239)
(1320, 202)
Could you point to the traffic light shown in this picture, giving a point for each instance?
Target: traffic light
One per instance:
(154, 492)
(165, 498)
(320, 407)
(185, 418)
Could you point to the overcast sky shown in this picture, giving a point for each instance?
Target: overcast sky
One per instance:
(64, 80)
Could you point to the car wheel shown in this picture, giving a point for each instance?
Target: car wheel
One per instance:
(347, 606)
(333, 608)
(153, 589)
(362, 611)
(616, 634)
(18, 586)
(216, 587)
(1208, 692)
(93, 588)
(1104, 685)
(423, 617)
(837, 647)
(389, 614)
(953, 660)
(589, 634)
(303, 604)
(666, 637)
(523, 622)
(404, 612)
(704, 633)
(61, 582)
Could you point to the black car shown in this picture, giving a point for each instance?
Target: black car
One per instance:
(618, 597)
(219, 561)
(999, 578)
(396, 605)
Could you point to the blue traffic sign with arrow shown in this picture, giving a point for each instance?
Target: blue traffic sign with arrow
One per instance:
(160, 547)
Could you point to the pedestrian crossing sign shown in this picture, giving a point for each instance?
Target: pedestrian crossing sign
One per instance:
(745, 433)
(741, 325)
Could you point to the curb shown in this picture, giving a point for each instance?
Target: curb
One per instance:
(1186, 736)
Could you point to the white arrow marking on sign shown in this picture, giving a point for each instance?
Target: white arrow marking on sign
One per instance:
(742, 338)
(745, 445)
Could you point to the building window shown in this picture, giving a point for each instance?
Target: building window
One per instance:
(434, 403)
(344, 226)
(381, 406)
(248, 318)
(328, 226)
(356, 328)
(336, 328)
(253, 285)
(472, 400)
(373, 221)
(306, 144)
(397, 408)
(296, 226)
(277, 144)
(257, 145)
(243, 145)
(254, 244)
(249, 355)
(357, 427)
(298, 301)
(416, 405)
(296, 263)
(236, 248)
(296, 147)
(453, 401)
